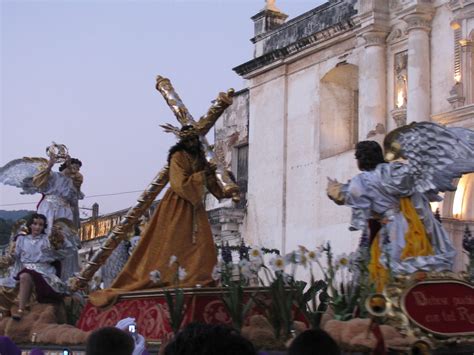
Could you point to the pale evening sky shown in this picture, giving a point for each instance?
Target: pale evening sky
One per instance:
(82, 73)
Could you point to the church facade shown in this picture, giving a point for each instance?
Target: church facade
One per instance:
(346, 71)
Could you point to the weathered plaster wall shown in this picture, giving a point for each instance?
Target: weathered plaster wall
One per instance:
(266, 137)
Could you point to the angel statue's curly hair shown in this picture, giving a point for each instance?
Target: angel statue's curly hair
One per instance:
(32, 218)
(70, 162)
(369, 154)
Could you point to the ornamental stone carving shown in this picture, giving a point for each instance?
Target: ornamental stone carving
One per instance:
(399, 115)
(418, 21)
(374, 38)
(395, 35)
(458, 4)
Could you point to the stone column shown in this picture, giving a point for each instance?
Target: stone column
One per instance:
(467, 76)
(419, 83)
(372, 86)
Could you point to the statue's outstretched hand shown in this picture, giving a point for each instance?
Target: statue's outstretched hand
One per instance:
(52, 161)
(333, 190)
(211, 168)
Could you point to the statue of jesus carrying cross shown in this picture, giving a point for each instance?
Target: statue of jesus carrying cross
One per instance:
(179, 229)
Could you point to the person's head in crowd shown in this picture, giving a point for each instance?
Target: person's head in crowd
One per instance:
(7, 346)
(109, 341)
(314, 342)
(209, 339)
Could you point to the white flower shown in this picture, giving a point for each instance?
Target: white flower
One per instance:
(155, 276)
(216, 272)
(301, 258)
(173, 259)
(181, 273)
(342, 261)
(313, 255)
(256, 264)
(256, 258)
(255, 253)
(278, 263)
(303, 248)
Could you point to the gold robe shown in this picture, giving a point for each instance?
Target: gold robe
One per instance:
(178, 227)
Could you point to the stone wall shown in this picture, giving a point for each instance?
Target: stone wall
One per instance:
(231, 134)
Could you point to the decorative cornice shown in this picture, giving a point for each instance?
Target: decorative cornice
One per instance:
(395, 5)
(455, 5)
(294, 48)
(456, 115)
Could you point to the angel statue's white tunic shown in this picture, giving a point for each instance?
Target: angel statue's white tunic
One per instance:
(60, 198)
(379, 192)
(37, 254)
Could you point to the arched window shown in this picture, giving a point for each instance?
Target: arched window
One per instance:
(339, 103)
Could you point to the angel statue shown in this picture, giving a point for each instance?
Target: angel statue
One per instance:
(8, 266)
(390, 198)
(61, 192)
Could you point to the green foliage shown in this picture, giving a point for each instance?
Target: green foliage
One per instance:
(7, 220)
(175, 301)
(5, 230)
(281, 306)
(344, 287)
(233, 295)
(233, 299)
(306, 301)
(347, 297)
(14, 215)
(73, 306)
(175, 298)
(279, 310)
